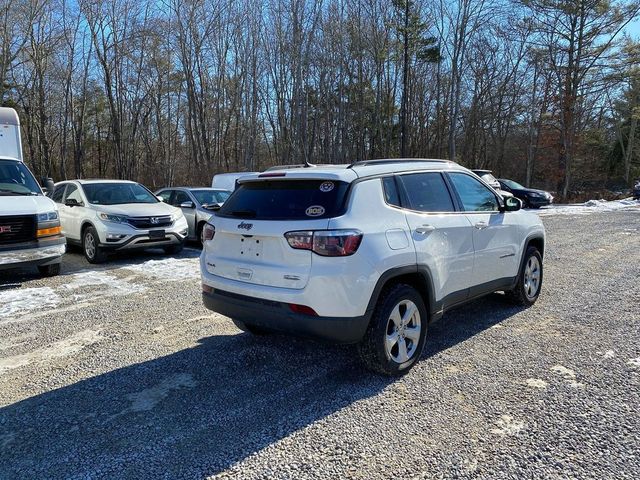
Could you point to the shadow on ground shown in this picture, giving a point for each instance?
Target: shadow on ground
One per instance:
(200, 410)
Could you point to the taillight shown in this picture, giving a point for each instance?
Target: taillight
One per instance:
(328, 243)
(303, 309)
(208, 232)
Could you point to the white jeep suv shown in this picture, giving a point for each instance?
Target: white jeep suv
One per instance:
(368, 253)
(116, 215)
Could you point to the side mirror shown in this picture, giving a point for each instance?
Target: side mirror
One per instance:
(187, 205)
(72, 202)
(212, 206)
(512, 204)
(47, 185)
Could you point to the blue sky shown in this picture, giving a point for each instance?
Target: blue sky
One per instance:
(633, 29)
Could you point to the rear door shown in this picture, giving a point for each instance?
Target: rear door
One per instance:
(443, 237)
(495, 234)
(249, 244)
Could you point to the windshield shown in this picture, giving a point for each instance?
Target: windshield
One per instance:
(117, 193)
(286, 200)
(512, 184)
(208, 197)
(490, 179)
(16, 179)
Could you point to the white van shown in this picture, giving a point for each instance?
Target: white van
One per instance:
(227, 181)
(30, 232)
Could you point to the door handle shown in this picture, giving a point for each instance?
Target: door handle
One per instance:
(481, 225)
(424, 229)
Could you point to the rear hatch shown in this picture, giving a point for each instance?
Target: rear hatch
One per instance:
(249, 244)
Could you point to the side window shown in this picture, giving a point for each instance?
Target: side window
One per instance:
(58, 193)
(180, 197)
(427, 192)
(391, 191)
(474, 195)
(73, 193)
(165, 195)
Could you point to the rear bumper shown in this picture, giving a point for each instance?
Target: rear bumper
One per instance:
(277, 316)
(42, 252)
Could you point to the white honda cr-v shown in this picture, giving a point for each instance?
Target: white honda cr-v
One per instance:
(116, 215)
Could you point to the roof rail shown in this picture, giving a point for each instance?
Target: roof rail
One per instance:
(384, 161)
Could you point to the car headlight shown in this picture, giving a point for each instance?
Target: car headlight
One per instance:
(176, 216)
(47, 217)
(107, 217)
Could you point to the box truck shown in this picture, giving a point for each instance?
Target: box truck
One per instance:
(30, 232)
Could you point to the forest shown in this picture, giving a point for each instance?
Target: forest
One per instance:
(169, 92)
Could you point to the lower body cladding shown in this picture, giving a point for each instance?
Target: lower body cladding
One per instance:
(36, 253)
(280, 316)
(144, 240)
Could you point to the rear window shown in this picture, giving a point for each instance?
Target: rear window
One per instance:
(286, 200)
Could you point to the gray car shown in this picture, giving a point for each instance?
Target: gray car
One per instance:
(197, 204)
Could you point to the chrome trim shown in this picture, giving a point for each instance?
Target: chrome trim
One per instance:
(31, 254)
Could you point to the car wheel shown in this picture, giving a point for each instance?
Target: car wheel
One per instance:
(91, 248)
(49, 270)
(396, 334)
(529, 283)
(254, 329)
(173, 249)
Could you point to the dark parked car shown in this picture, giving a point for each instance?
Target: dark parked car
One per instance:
(636, 190)
(530, 197)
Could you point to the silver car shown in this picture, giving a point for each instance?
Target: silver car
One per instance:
(197, 204)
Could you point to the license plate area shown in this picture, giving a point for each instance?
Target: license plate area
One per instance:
(156, 234)
(250, 247)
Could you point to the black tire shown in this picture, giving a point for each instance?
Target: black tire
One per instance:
(49, 270)
(253, 329)
(95, 254)
(372, 348)
(522, 293)
(173, 249)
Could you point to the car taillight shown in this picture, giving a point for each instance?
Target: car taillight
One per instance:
(328, 243)
(208, 232)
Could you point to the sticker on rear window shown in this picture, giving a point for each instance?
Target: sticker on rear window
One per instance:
(314, 211)
(326, 186)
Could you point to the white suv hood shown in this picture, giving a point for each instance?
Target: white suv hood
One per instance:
(138, 209)
(26, 205)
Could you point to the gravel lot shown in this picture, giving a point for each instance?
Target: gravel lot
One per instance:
(120, 372)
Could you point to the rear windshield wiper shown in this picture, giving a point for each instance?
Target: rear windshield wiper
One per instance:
(244, 213)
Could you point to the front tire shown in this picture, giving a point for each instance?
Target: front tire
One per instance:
(91, 246)
(396, 334)
(529, 283)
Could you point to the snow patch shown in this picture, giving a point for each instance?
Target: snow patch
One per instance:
(507, 425)
(536, 383)
(147, 399)
(592, 206)
(170, 269)
(22, 300)
(62, 348)
(111, 284)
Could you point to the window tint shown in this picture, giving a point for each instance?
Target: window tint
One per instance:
(165, 195)
(180, 197)
(427, 192)
(286, 200)
(474, 195)
(73, 193)
(58, 193)
(391, 191)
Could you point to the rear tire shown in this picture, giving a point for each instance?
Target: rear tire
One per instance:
(49, 270)
(253, 329)
(396, 334)
(529, 283)
(91, 248)
(173, 249)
